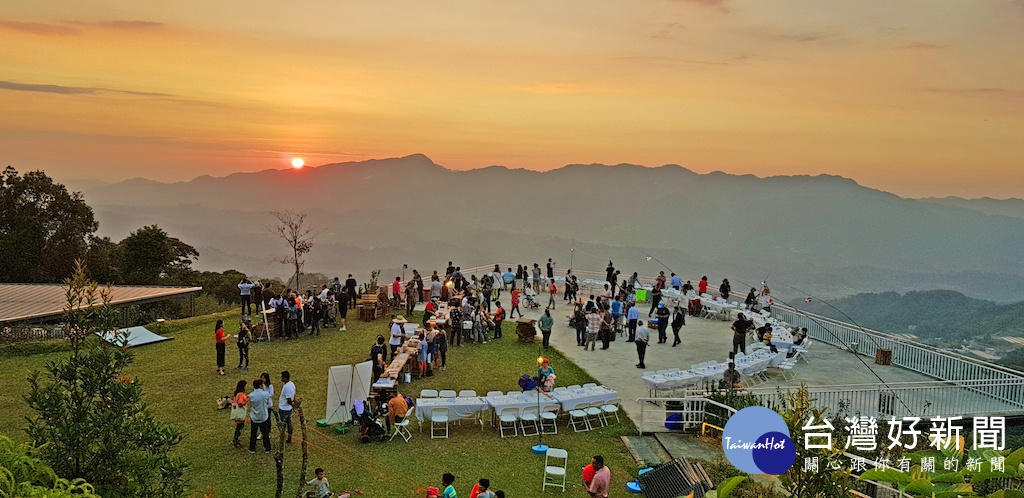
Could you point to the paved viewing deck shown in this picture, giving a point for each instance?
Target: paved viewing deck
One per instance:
(922, 381)
(835, 375)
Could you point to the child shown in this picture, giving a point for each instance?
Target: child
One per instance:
(320, 485)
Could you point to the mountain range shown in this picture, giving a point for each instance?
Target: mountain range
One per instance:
(820, 235)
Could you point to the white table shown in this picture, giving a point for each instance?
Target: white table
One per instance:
(517, 400)
(458, 408)
(571, 398)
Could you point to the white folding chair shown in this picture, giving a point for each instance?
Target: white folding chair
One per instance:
(595, 415)
(508, 418)
(674, 370)
(554, 475)
(428, 393)
(402, 428)
(530, 418)
(589, 385)
(438, 416)
(549, 419)
(467, 393)
(559, 389)
(447, 393)
(578, 419)
(574, 386)
(611, 408)
(494, 393)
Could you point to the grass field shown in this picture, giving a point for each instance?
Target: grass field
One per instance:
(180, 384)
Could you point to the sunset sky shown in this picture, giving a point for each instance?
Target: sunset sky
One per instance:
(916, 97)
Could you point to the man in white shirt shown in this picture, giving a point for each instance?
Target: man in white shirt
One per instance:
(397, 334)
(285, 402)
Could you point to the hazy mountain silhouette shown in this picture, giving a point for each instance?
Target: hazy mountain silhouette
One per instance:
(987, 205)
(824, 234)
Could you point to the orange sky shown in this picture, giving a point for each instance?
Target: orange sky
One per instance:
(915, 97)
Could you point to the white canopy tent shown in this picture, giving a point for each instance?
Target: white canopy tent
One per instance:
(345, 384)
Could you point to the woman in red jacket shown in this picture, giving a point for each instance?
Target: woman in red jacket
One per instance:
(222, 341)
(703, 285)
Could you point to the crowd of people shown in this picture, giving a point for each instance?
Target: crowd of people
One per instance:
(474, 312)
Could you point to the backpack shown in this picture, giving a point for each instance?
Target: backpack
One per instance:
(500, 315)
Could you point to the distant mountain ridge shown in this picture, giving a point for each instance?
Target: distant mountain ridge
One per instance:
(822, 233)
(987, 205)
(937, 313)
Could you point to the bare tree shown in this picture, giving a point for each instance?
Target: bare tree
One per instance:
(293, 229)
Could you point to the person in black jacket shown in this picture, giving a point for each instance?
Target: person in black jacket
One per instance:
(725, 288)
(751, 299)
(663, 318)
(678, 320)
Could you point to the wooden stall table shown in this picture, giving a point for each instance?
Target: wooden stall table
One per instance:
(525, 330)
(883, 356)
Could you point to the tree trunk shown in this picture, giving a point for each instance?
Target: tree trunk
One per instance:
(298, 286)
(305, 454)
(279, 461)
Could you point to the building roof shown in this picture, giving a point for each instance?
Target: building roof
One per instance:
(26, 302)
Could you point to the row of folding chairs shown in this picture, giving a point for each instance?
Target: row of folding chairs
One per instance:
(447, 393)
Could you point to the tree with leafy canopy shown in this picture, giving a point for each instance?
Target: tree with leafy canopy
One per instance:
(299, 235)
(90, 420)
(150, 256)
(44, 228)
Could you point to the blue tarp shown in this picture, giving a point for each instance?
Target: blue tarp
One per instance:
(137, 336)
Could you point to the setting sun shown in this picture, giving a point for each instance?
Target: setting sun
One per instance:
(298, 162)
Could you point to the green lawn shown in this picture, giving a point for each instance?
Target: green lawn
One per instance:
(181, 384)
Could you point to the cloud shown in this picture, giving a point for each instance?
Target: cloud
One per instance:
(121, 25)
(36, 28)
(777, 35)
(921, 46)
(72, 90)
(711, 4)
(983, 92)
(667, 29)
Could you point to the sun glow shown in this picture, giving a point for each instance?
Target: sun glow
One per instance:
(298, 163)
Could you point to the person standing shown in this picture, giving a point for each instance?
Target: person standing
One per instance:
(616, 309)
(568, 284)
(441, 341)
(435, 287)
(551, 269)
(410, 297)
(606, 326)
(702, 286)
(677, 282)
(602, 478)
(748, 303)
(245, 289)
(552, 291)
(286, 402)
(508, 279)
(499, 316)
(573, 288)
(268, 386)
(632, 317)
(536, 279)
(609, 272)
(222, 341)
(664, 315)
(244, 338)
(678, 320)
(418, 280)
(725, 289)
(614, 280)
(487, 288)
(396, 292)
(259, 416)
(239, 401)
(545, 323)
(593, 327)
(655, 299)
(350, 287)
(579, 319)
(643, 338)
(379, 357)
(515, 302)
(739, 334)
(397, 334)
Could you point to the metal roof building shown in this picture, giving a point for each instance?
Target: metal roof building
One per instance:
(38, 302)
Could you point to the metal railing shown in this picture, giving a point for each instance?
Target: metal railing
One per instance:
(692, 411)
(989, 379)
(911, 399)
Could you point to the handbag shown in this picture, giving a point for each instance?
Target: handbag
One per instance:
(237, 413)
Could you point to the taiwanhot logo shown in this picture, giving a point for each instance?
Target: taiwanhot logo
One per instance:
(756, 440)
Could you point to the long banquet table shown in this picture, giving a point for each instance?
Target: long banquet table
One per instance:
(458, 408)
